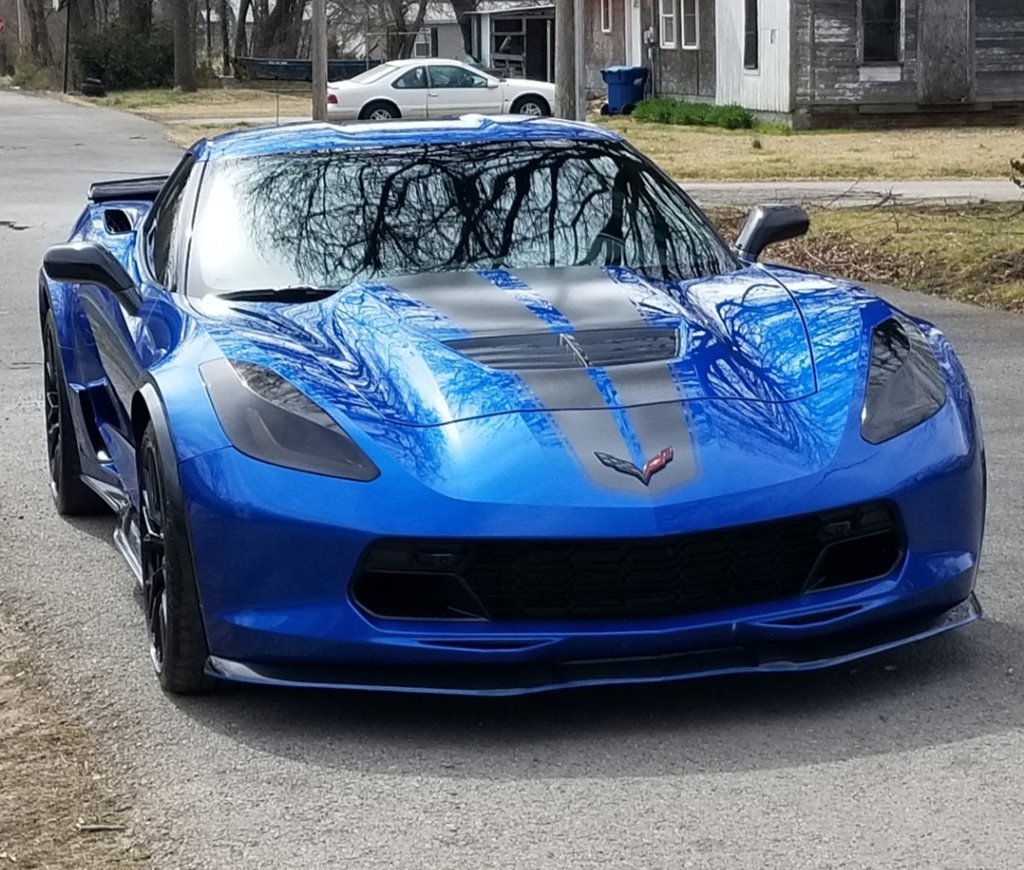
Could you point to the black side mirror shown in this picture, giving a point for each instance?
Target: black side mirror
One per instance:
(89, 263)
(769, 224)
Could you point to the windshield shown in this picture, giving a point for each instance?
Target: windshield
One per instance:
(373, 73)
(330, 218)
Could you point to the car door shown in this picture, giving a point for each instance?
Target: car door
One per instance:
(127, 341)
(409, 93)
(456, 89)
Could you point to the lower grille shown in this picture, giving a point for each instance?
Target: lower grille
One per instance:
(627, 578)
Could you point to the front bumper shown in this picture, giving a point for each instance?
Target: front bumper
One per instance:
(276, 549)
(521, 678)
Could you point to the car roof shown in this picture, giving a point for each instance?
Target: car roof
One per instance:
(424, 61)
(315, 136)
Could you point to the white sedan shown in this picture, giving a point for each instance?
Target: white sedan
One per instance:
(432, 88)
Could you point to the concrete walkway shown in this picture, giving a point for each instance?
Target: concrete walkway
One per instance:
(854, 193)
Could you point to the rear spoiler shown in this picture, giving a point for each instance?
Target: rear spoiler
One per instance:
(128, 188)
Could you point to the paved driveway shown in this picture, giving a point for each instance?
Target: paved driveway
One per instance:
(909, 760)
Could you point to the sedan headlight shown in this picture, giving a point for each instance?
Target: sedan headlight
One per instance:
(267, 418)
(905, 383)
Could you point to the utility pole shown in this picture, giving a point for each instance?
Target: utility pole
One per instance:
(318, 50)
(22, 41)
(580, 103)
(565, 59)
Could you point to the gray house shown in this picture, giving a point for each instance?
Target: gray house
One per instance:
(823, 62)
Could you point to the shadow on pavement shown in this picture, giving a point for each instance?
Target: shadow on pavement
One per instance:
(949, 689)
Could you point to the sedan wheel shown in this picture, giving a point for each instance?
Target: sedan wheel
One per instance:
(530, 106)
(379, 112)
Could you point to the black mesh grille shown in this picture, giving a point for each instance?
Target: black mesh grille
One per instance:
(634, 578)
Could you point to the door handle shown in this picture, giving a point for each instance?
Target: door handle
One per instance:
(432, 94)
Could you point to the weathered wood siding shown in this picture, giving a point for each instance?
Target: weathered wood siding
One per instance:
(954, 52)
(769, 89)
(602, 49)
(945, 55)
(827, 56)
(999, 50)
(685, 72)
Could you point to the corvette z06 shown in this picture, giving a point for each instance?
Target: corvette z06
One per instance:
(486, 405)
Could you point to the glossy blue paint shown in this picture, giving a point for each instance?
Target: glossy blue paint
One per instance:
(468, 128)
(761, 403)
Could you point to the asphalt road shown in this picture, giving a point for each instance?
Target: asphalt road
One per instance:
(908, 760)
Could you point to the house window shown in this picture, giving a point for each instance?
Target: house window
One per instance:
(421, 47)
(667, 16)
(881, 21)
(691, 24)
(751, 36)
(606, 16)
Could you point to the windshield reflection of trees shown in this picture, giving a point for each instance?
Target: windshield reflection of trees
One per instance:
(362, 214)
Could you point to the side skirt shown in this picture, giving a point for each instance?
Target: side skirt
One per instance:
(126, 532)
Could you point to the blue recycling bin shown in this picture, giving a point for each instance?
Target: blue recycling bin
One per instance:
(626, 86)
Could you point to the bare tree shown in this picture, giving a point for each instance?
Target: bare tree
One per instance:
(224, 11)
(183, 23)
(39, 38)
(138, 14)
(406, 20)
(462, 10)
(241, 25)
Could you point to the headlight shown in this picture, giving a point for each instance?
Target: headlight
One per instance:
(905, 384)
(267, 418)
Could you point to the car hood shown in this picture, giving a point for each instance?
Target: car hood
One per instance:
(431, 350)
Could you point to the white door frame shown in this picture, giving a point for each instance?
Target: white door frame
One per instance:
(633, 33)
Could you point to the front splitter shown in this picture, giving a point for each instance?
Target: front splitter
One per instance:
(520, 678)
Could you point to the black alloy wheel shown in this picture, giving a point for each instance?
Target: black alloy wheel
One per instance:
(177, 639)
(71, 495)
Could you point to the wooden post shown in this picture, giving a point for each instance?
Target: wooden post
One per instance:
(318, 52)
(565, 58)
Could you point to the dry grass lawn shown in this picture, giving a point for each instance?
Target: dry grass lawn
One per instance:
(972, 253)
(241, 103)
(733, 155)
(52, 781)
(687, 153)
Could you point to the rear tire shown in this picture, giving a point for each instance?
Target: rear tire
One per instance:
(536, 107)
(71, 496)
(177, 638)
(380, 111)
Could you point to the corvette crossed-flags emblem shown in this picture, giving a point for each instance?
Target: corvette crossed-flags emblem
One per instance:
(651, 467)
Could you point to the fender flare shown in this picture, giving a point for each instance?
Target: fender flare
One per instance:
(148, 408)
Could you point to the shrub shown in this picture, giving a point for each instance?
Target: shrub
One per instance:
(123, 58)
(664, 110)
(30, 76)
(1017, 175)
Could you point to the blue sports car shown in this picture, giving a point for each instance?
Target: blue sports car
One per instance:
(487, 406)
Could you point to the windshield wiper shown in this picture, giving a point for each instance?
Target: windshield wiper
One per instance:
(297, 293)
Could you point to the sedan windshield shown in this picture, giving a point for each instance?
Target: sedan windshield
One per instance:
(327, 219)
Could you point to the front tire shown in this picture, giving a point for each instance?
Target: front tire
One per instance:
(71, 496)
(177, 639)
(535, 107)
(380, 111)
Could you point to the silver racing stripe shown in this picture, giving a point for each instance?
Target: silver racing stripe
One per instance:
(471, 302)
(646, 401)
(586, 432)
(586, 296)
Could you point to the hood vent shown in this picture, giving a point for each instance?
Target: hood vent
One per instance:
(595, 348)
